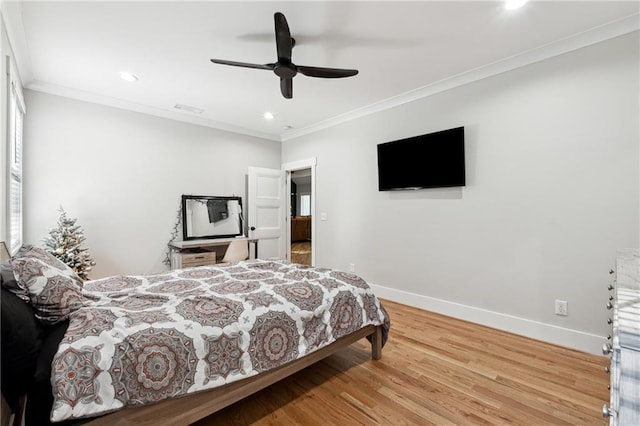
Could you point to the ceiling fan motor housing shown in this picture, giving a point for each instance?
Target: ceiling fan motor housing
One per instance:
(284, 70)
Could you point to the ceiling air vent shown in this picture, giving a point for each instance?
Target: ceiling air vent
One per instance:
(189, 108)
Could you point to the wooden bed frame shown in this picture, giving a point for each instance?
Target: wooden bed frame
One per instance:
(191, 408)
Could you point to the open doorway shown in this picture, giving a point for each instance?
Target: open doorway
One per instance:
(301, 217)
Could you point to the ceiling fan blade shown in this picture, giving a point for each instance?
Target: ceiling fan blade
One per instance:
(243, 64)
(325, 72)
(284, 43)
(286, 87)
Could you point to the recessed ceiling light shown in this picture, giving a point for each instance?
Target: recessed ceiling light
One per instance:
(269, 116)
(127, 76)
(514, 4)
(287, 127)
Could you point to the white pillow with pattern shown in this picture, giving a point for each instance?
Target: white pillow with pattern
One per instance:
(55, 290)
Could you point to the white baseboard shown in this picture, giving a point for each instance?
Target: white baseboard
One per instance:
(561, 336)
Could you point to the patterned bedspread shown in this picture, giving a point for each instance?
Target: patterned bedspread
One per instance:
(141, 339)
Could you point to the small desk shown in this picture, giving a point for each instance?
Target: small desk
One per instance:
(191, 253)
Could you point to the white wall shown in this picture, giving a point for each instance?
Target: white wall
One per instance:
(121, 174)
(552, 192)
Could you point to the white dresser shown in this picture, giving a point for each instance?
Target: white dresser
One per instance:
(624, 404)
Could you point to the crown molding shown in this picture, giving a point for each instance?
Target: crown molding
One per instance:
(595, 35)
(12, 19)
(67, 92)
(11, 15)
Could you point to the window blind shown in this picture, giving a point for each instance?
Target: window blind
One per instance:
(16, 111)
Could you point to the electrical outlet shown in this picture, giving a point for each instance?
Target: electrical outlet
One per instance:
(352, 267)
(562, 307)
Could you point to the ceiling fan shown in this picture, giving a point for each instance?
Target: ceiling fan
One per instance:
(284, 68)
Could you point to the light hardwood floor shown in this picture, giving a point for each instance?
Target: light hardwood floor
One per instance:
(435, 370)
(301, 252)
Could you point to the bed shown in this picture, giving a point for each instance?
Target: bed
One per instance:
(175, 347)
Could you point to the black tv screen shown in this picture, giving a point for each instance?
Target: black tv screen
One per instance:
(428, 161)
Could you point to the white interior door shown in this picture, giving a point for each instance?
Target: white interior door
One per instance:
(265, 205)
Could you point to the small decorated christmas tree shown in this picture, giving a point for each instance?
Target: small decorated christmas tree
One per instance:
(65, 243)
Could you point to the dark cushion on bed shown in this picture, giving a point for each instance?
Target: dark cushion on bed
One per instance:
(40, 395)
(21, 341)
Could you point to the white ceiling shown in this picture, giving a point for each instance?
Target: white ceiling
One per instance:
(404, 50)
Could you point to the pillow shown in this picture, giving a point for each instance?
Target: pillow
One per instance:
(55, 290)
(21, 341)
(9, 282)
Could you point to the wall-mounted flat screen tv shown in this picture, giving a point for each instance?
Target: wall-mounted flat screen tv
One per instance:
(433, 160)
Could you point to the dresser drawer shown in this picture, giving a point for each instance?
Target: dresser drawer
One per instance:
(198, 259)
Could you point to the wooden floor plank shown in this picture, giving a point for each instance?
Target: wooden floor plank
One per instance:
(435, 370)
(301, 252)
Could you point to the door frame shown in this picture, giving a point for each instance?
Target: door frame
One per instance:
(309, 163)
